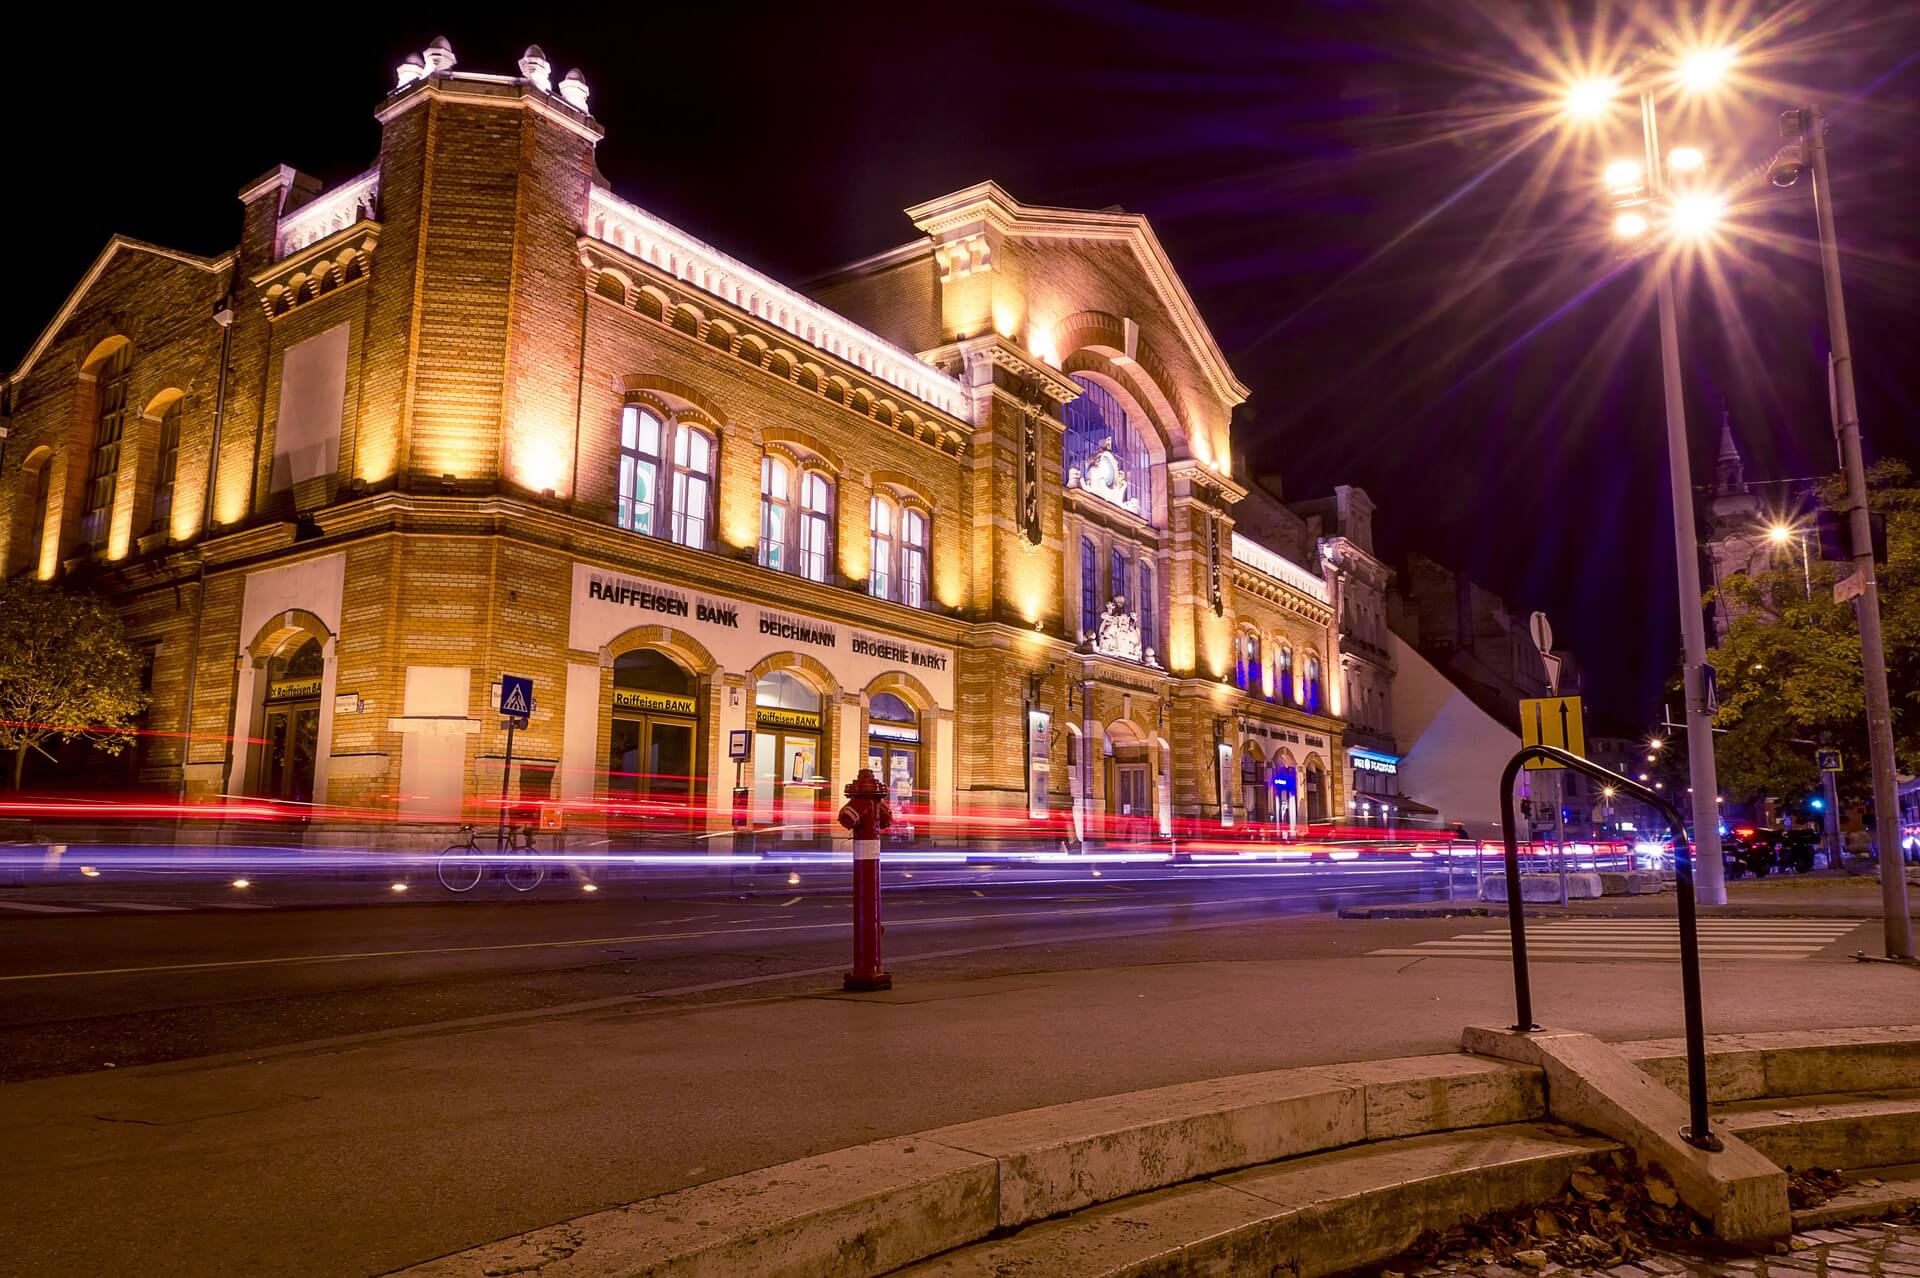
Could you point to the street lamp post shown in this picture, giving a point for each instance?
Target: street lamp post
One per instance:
(1898, 927)
(1709, 872)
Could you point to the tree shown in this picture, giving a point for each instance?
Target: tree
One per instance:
(66, 672)
(1789, 666)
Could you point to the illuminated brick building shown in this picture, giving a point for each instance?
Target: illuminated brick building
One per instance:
(963, 511)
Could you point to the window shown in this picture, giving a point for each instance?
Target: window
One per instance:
(37, 525)
(103, 466)
(645, 439)
(776, 513)
(880, 544)
(692, 486)
(1283, 676)
(1089, 585)
(640, 433)
(1311, 684)
(168, 468)
(1105, 453)
(1148, 639)
(1117, 576)
(1246, 666)
(816, 525)
(897, 550)
(913, 558)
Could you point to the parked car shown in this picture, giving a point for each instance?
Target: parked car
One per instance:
(1745, 849)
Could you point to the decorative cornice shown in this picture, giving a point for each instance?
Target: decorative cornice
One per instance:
(326, 214)
(638, 234)
(471, 89)
(986, 203)
(318, 270)
(948, 432)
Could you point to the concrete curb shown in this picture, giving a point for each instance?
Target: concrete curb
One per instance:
(875, 1208)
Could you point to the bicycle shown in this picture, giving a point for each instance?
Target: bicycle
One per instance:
(461, 867)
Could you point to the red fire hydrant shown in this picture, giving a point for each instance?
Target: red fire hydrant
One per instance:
(866, 814)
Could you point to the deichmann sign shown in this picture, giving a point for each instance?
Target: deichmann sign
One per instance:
(654, 702)
(288, 689)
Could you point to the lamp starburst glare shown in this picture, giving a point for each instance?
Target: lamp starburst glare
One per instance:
(1586, 99)
(1685, 159)
(1630, 226)
(1704, 68)
(1623, 175)
(1695, 215)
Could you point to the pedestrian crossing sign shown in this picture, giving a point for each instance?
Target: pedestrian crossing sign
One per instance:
(1552, 721)
(516, 696)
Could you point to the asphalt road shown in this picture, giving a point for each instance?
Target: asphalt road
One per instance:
(135, 972)
(350, 1089)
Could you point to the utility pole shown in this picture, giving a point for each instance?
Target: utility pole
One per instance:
(1898, 926)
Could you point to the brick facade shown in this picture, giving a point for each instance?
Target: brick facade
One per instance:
(485, 327)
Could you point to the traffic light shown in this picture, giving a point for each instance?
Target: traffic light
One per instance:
(1836, 539)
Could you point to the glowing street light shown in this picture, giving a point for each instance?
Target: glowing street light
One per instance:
(1630, 226)
(1779, 534)
(1587, 99)
(1704, 68)
(1685, 159)
(1623, 176)
(1695, 215)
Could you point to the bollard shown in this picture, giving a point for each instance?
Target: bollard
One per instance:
(866, 814)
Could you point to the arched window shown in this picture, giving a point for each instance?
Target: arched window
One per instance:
(40, 470)
(816, 525)
(649, 446)
(103, 465)
(1105, 453)
(1283, 674)
(1149, 639)
(1311, 684)
(1089, 585)
(897, 552)
(167, 468)
(1117, 576)
(1246, 666)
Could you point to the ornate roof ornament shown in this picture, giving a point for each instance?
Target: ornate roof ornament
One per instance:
(411, 68)
(534, 66)
(439, 56)
(573, 90)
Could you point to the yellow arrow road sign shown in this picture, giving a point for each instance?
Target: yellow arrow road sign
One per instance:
(1553, 721)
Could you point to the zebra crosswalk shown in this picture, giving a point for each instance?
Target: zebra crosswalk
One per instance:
(48, 908)
(1651, 939)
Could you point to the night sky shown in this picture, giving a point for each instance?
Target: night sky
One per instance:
(1400, 248)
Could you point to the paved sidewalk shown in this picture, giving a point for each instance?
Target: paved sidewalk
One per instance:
(1843, 1251)
(364, 1155)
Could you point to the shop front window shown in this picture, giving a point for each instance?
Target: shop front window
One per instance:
(652, 751)
(894, 755)
(789, 789)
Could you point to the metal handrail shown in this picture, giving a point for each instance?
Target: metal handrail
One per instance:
(1698, 1133)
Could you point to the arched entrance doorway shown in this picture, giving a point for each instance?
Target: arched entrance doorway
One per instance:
(1316, 792)
(789, 788)
(1129, 782)
(1256, 800)
(653, 749)
(290, 720)
(894, 753)
(1286, 792)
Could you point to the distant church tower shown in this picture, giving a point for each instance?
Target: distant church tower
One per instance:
(1736, 536)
